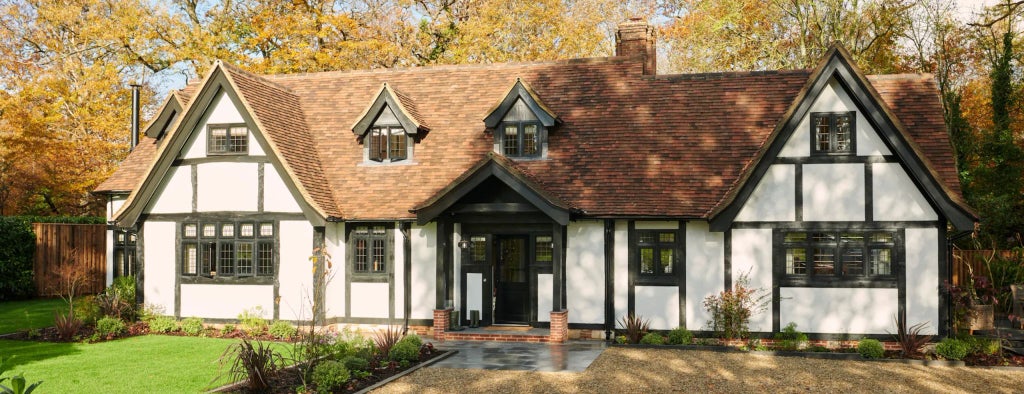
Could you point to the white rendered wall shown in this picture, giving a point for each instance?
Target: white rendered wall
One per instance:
(584, 270)
(175, 192)
(276, 195)
(227, 187)
(295, 275)
(424, 271)
(159, 265)
(833, 192)
(226, 301)
(621, 290)
(923, 277)
(114, 204)
(221, 111)
(774, 198)
(334, 294)
(398, 278)
(373, 300)
(474, 293)
(839, 310)
(659, 305)
(833, 98)
(752, 256)
(545, 297)
(895, 197)
(705, 271)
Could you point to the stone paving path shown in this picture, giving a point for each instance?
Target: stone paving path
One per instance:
(572, 356)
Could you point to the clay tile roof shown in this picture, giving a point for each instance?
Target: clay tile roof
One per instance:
(280, 114)
(409, 107)
(628, 146)
(131, 170)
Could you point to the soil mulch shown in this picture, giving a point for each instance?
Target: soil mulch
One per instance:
(286, 381)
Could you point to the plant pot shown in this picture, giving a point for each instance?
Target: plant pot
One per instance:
(982, 317)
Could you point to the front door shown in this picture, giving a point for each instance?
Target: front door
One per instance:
(511, 280)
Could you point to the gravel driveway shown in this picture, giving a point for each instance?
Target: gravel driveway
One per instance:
(620, 370)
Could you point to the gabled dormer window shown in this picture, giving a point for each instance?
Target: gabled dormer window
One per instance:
(520, 123)
(389, 128)
(229, 139)
(833, 133)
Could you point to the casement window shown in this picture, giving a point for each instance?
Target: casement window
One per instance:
(227, 249)
(231, 139)
(387, 144)
(656, 252)
(521, 139)
(833, 133)
(124, 252)
(544, 249)
(370, 249)
(837, 256)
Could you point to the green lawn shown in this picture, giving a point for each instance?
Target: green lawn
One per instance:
(40, 314)
(146, 364)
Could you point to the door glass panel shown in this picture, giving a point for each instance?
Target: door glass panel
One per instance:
(513, 263)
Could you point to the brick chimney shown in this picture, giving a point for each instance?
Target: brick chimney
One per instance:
(636, 38)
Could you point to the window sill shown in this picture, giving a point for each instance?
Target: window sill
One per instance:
(878, 283)
(650, 280)
(226, 280)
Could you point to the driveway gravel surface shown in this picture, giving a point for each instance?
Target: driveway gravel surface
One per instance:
(630, 370)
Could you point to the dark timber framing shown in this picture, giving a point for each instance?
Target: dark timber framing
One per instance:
(609, 277)
(520, 91)
(837, 65)
(386, 98)
(388, 276)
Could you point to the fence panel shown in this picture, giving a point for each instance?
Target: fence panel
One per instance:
(967, 261)
(70, 249)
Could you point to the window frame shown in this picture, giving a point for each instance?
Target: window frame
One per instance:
(229, 144)
(839, 243)
(387, 240)
(372, 135)
(125, 246)
(521, 125)
(832, 133)
(659, 277)
(219, 253)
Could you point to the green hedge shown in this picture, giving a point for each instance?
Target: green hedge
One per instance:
(17, 248)
(65, 219)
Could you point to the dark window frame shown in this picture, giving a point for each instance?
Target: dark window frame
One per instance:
(833, 117)
(837, 243)
(125, 242)
(366, 245)
(229, 146)
(521, 139)
(386, 153)
(659, 277)
(222, 254)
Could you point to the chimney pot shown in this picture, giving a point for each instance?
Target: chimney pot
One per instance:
(637, 38)
(135, 116)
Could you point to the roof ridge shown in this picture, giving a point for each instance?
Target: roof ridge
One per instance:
(258, 77)
(728, 74)
(444, 67)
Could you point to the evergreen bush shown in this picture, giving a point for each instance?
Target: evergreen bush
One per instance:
(17, 249)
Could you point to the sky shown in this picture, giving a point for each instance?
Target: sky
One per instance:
(967, 8)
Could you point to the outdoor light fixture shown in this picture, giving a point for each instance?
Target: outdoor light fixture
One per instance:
(464, 244)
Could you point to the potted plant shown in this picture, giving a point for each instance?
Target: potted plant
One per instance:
(973, 304)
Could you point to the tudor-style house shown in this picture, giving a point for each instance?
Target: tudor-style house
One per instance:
(561, 195)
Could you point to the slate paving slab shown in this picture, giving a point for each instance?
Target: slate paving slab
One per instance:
(574, 356)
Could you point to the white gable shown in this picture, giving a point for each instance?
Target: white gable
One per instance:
(221, 111)
(774, 198)
(895, 197)
(834, 98)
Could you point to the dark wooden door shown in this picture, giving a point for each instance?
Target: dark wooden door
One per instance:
(511, 280)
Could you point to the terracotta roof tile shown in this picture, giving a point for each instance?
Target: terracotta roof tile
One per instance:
(628, 145)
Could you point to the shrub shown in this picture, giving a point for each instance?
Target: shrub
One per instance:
(17, 249)
(952, 349)
(67, 325)
(356, 363)
(329, 376)
(652, 338)
(110, 326)
(680, 336)
(227, 329)
(386, 338)
(634, 327)
(254, 363)
(192, 326)
(252, 321)
(870, 348)
(282, 330)
(414, 339)
(985, 346)
(118, 300)
(87, 309)
(404, 351)
(163, 324)
(910, 338)
(731, 309)
(790, 338)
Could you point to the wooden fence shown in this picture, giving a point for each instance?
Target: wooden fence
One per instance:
(70, 250)
(967, 261)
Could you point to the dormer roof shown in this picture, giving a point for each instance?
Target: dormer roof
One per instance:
(401, 106)
(520, 92)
